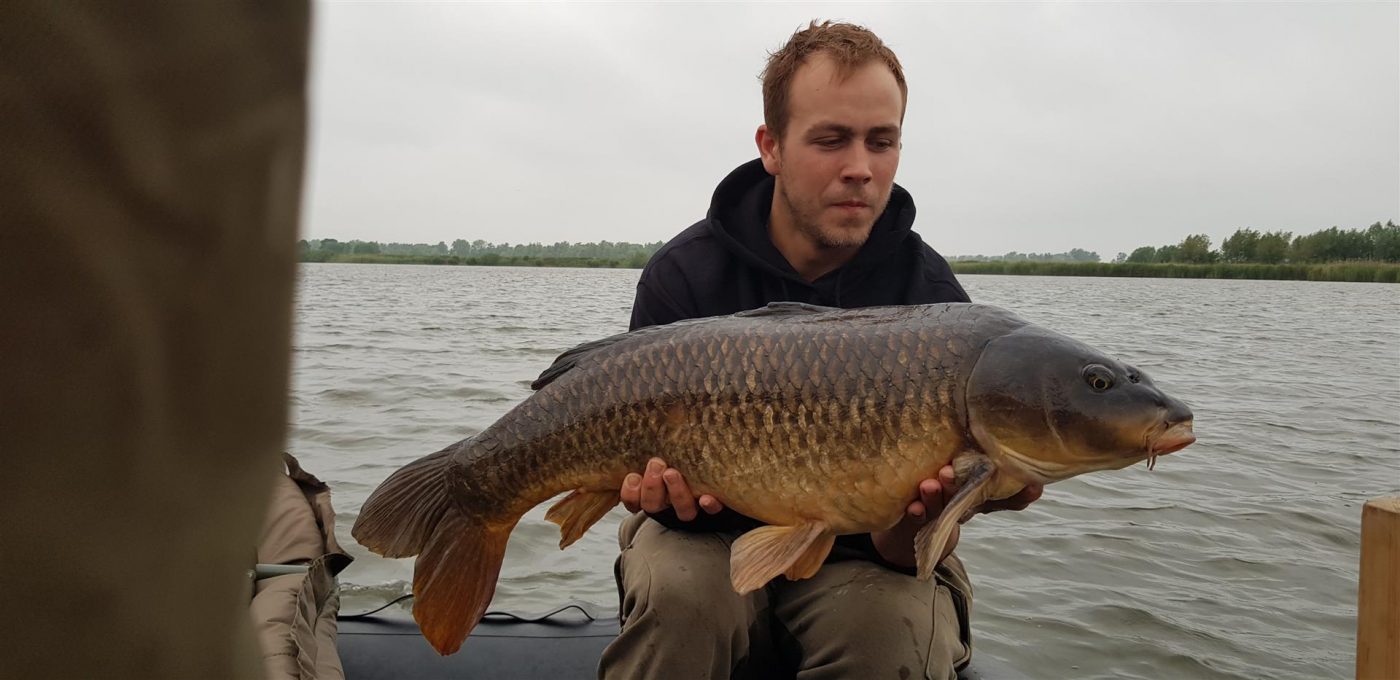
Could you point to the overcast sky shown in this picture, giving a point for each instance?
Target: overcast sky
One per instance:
(1030, 127)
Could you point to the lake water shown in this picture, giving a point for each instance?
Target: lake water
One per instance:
(1235, 558)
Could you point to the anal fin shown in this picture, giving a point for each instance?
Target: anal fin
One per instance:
(761, 555)
(579, 510)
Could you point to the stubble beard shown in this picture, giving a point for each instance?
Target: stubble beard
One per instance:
(807, 220)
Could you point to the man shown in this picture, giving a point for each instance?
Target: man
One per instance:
(817, 218)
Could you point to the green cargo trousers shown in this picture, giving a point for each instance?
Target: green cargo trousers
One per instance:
(854, 619)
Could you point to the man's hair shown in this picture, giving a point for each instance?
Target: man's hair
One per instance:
(848, 45)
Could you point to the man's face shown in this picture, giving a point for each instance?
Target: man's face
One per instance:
(836, 162)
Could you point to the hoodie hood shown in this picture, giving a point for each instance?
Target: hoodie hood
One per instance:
(738, 219)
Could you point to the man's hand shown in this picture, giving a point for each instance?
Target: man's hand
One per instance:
(1020, 501)
(896, 544)
(661, 487)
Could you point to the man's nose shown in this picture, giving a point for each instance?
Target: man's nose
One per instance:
(857, 167)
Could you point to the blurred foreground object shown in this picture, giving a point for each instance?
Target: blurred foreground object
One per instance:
(294, 607)
(150, 178)
(1378, 609)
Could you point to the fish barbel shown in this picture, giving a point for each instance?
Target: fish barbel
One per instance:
(815, 421)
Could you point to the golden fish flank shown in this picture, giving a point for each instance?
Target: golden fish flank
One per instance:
(816, 421)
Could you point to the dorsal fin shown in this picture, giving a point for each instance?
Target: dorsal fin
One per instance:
(570, 358)
(787, 309)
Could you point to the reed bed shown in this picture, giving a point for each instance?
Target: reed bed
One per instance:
(1368, 272)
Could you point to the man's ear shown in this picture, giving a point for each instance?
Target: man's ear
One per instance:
(768, 150)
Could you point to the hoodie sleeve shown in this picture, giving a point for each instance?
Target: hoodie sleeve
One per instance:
(936, 282)
(862, 547)
(653, 306)
(660, 291)
(661, 297)
(724, 520)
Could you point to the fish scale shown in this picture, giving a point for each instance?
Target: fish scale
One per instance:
(854, 421)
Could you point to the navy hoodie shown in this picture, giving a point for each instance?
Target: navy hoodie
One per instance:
(727, 263)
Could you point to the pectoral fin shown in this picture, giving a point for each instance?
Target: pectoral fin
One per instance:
(579, 510)
(761, 555)
(933, 537)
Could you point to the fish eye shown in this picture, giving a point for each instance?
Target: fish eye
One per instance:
(1099, 378)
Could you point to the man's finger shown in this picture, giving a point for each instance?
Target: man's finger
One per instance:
(948, 478)
(710, 504)
(653, 488)
(932, 496)
(631, 492)
(1020, 501)
(1025, 497)
(679, 493)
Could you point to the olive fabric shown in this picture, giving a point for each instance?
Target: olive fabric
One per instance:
(151, 159)
(854, 619)
(294, 616)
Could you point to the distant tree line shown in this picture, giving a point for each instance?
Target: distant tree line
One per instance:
(1375, 272)
(479, 252)
(1377, 243)
(1074, 255)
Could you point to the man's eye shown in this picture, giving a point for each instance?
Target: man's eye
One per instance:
(882, 144)
(829, 143)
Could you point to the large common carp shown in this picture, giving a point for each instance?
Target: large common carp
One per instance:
(816, 421)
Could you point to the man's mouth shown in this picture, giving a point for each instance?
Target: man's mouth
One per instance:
(851, 204)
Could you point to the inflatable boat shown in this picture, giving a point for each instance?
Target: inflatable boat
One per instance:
(562, 644)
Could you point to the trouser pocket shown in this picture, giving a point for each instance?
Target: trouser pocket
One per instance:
(952, 639)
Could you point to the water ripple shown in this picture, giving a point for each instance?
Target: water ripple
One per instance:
(1235, 558)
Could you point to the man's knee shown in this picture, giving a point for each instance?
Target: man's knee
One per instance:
(680, 579)
(678, 608)
(857, 617)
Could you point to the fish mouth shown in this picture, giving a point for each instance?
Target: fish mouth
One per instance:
(1172, 439)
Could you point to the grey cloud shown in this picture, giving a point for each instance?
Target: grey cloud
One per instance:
(1030, 127)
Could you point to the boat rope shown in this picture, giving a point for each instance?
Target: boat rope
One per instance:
(372, 612)
(520, 618)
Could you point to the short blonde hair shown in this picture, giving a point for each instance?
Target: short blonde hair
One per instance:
(848, 45)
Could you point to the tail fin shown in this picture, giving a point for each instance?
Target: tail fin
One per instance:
(401, 515)
(455, 577)
(412, 513)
